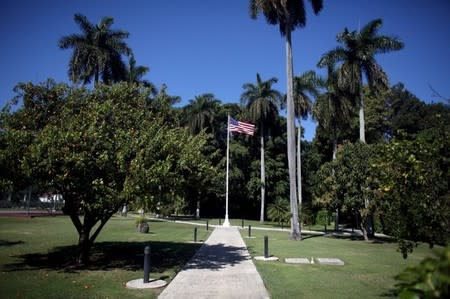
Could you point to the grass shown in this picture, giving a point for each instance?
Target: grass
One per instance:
(35, 255)
(368, 271)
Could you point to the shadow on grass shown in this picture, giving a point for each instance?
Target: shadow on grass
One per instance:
(311, 236)
(110, 255)
(217, 256)
(10, 243)
(355, 237)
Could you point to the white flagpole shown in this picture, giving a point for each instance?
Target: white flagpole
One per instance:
(226, 223)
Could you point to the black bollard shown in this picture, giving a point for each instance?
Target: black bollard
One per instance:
(207, 225)
(249, 231)
(266, 247)
(242, 223)
(146, 264)
(195, 235)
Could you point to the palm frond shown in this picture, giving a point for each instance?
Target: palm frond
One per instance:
(288, 14)
(85, 26)
(371, 28)
(384, 44)
(332, 57)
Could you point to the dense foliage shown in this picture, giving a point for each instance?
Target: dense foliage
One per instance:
(106, 148)
(429, 279)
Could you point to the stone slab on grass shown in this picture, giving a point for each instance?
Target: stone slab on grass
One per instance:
(266, 259)
(330, 261)
(296, 260)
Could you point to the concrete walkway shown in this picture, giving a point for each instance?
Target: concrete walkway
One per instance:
(222, 268)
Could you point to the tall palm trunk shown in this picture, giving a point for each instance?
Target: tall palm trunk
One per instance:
(295, 229)
(368, 230)
(362, 129)
(263, 177)
(299, 169)
(336, 216)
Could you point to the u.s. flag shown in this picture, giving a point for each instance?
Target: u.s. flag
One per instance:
(241, 127)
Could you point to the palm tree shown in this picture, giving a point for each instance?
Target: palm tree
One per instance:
(333, 109)
(200, 112)
(357, 56)
(134, 74)
(288, 14)
(97, 51)
(262, 104)
(304, 86)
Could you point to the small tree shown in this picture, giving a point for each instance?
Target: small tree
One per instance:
(279, 211)
(414, 188)
(348, 181)
(103, 150)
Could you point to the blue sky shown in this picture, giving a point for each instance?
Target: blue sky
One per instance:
(213, 46)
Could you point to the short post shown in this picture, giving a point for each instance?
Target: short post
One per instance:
(266, 247)
(207, 225)
(249, 231)
(195, 235)
(242, 223)
(146, 263)
(282, 226)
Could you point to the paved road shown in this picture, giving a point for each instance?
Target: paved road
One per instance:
(222, 268)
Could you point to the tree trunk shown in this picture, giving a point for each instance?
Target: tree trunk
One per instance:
(84, 246)
(362, 129)
(96, 77)
(299, 171)
(368, 227)
(263, 177)
(364, 227)
(336, 216)
(295, 229)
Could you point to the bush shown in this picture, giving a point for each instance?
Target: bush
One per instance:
(429, 279)
(322, 218)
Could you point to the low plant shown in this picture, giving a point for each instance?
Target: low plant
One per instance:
(429, 279)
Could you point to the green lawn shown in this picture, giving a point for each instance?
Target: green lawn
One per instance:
(35, 255)
(368, 271)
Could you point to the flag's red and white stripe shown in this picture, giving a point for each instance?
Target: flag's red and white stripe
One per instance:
(241, 127)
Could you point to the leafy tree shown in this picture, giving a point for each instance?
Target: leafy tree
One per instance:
(413, 178)
(288, 14)
(105, 149)
(304, 86)
(261, 102)
(358, 57)
(97, 51)
(348, 182)
(39, 103)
